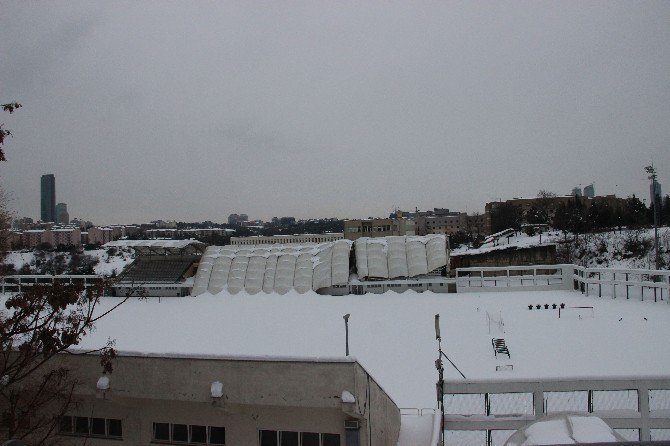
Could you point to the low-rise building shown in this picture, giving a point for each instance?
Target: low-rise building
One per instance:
(191, 399)
(378, 227)
(258, 240)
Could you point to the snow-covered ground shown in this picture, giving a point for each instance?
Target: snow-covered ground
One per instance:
(106, 264)
(392, 335)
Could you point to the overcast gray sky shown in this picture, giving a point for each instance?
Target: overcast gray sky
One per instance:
(195, 110)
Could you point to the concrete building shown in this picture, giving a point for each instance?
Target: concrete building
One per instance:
(259, 240)
(378, 227)
(173, 233)
(56, 236)
(576, 192)
(101, 235)
(62, 216)
(235, 219)
(590, 191)
(449, 223)
(227, 401)
(63, 237)
(48, 198)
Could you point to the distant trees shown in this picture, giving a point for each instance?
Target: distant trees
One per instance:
(576, 217)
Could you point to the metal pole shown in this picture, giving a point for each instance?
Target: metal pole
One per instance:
(346, 331)
(440, 382)
(652, 176)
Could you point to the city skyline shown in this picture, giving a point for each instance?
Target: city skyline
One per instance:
(172, 111)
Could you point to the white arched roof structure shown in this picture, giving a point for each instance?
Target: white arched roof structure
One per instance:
(401, 256)
(273, 269)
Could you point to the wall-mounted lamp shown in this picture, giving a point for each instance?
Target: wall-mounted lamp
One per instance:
(102, 385)
(349, 405)
(216, 390)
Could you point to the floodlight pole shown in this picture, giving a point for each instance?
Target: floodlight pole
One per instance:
(652, 176)
(346, 332)
(440, 382)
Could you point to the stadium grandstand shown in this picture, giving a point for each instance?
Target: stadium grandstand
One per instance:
(160, 247)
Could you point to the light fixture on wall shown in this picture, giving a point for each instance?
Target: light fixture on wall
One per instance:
(216, 390)
(102, 385)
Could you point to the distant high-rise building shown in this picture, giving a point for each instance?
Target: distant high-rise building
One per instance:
(655, 190)
(576, 191)
(48, 195)
(590, 191)
(62, 217)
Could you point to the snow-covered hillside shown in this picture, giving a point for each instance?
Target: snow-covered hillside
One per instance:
(102, 261)
(630, 248)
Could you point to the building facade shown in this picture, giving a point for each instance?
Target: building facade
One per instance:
(62, 216)
(378, 227)
(286, 239)
(227, 401)
(48, 198)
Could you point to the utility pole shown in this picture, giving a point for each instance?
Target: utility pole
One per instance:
(346, 332)
(652, 176)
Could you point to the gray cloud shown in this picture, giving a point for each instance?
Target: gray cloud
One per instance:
(197, 110)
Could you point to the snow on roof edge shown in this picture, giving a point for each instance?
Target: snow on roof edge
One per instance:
(203, 356)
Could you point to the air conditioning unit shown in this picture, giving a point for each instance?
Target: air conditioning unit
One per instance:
(351, 425)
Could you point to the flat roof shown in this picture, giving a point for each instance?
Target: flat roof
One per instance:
(392, 335)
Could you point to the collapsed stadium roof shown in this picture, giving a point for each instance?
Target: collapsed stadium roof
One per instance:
(281, 268)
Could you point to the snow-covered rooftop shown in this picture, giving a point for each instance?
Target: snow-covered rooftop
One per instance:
(176, 244)
(392, 335)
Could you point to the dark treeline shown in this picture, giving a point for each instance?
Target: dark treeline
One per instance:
(577, 217)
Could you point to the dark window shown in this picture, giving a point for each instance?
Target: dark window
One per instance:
(269, 438)
(217, 435)
(331, 440)
(98, 426)
(81, 425)
(161, 431)
(180, 432)
(66, 424)
(288, 438)
(114, 428)
(310, 439)
(198, 434)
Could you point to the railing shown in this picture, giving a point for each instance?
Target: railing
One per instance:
(533, 277)
(487, 413)
(12, 284)
(630, 283)
(642, 284)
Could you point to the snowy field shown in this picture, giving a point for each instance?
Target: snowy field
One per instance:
(392, 335)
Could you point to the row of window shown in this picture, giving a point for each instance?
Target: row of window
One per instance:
(189, 434)
(91, 427)
(290, 438)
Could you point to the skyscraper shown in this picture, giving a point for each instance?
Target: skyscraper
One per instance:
(48, 195)
(590, 191)
(62, 216)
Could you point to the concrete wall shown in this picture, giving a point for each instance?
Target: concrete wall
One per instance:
(275, 395)
(535, 255)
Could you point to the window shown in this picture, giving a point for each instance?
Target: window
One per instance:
(90, 427)
(289, 438)
(188, 434)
